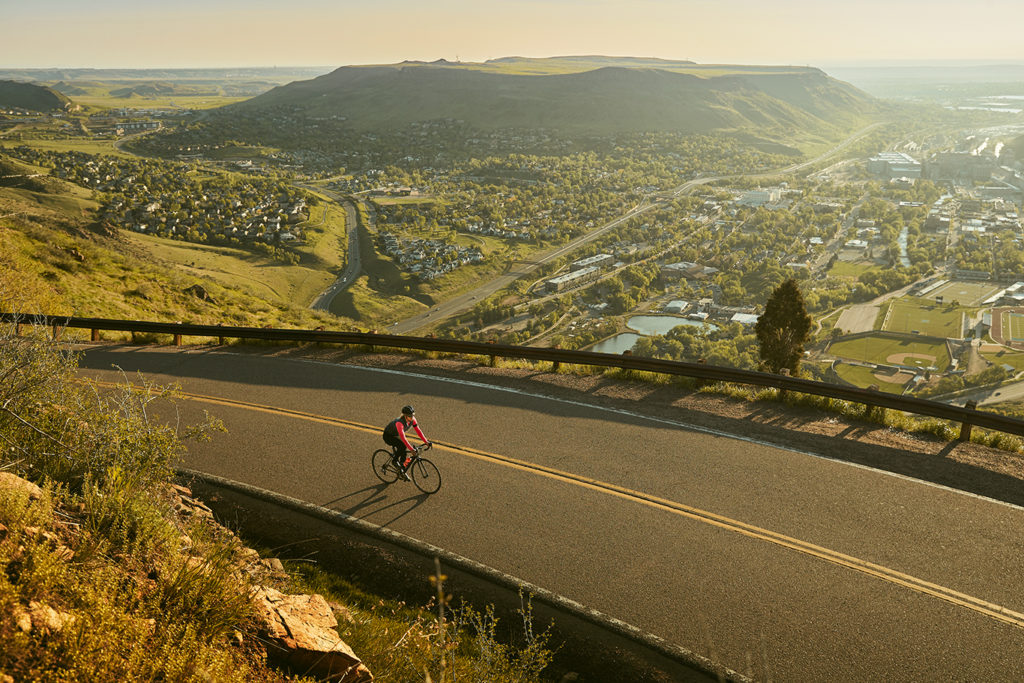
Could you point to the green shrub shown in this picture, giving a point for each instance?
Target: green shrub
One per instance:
(103, 545)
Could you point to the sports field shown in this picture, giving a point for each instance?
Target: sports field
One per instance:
(923, 353)
(966, 293)
(1008, 326)
(887, 381)
(1014, 322)
(917, 316)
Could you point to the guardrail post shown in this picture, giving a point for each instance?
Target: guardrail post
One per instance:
(494, 359)
(177, 339)
(874, 412)
(56, 332)
(965, 427)
(555, 364)
(95, 336)
(17, 329)
(785, 373)
(700, 381)
(220, 340)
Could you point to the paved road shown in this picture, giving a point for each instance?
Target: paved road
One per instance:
(777, 563)
(353, 265)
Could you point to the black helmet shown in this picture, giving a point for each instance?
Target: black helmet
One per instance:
(407, 410)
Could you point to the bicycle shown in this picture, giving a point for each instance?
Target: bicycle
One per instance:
(424, 474)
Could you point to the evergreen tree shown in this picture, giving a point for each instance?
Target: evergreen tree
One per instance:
(783, 328)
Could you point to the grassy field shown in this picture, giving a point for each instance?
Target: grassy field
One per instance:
(88, 146)
(882, 350)
(397, 201)
(373, 308)
(966, 293)
(327, 230)
(846, 269)
(917, 315)
(77, 202)
(1003, 356)
(51, 262)
(240, 268)
(239, 153)
(863, 377)
(104, 100)
(1013, 326)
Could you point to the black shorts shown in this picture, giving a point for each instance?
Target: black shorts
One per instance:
(396, 444)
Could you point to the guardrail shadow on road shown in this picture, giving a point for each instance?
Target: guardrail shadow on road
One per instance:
(269, 372)
(968, 417)
(775, 424)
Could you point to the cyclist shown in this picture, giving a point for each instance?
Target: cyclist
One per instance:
(394, 436)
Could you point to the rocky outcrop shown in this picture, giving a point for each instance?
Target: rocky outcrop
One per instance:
(300, 630)
(41, 618)
(199, 292)
(11, 482)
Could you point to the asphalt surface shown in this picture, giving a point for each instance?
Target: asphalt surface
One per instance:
(774, 563)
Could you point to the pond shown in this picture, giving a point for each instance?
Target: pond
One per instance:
(661, 324)
(617, 344)
(645, 325)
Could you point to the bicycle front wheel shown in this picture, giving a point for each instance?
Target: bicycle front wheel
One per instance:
(425, 475)
(383, 467)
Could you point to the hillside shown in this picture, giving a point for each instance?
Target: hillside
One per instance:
(56, 258)
(31, 97)
(145, 90)
(579, 94)
(15, 174)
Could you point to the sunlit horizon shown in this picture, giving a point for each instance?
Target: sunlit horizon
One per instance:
(235, 34)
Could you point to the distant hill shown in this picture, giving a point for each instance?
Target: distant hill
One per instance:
(32, 97)
(145, 90)
(69, 89)
(126, 76)
(582, 94)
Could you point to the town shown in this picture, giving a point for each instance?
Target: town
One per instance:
(680, 275)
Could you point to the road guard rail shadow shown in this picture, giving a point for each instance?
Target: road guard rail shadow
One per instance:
(965, 416)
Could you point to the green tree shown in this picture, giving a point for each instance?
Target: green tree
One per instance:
(783, 328)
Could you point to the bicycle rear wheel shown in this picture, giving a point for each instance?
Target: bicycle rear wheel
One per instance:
(383, 467)
(425, 475)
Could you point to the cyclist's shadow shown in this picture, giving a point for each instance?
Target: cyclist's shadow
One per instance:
(367, 508)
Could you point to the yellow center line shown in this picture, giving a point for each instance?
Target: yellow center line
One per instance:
(992, 610)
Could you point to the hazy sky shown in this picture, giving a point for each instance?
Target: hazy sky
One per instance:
(188, 33)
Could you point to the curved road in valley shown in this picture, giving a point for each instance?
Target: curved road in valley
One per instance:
(775, 563)
(353, 265)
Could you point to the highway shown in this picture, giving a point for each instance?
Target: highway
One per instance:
(774, 562)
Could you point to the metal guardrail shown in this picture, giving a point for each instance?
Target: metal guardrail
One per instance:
(965, 416)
